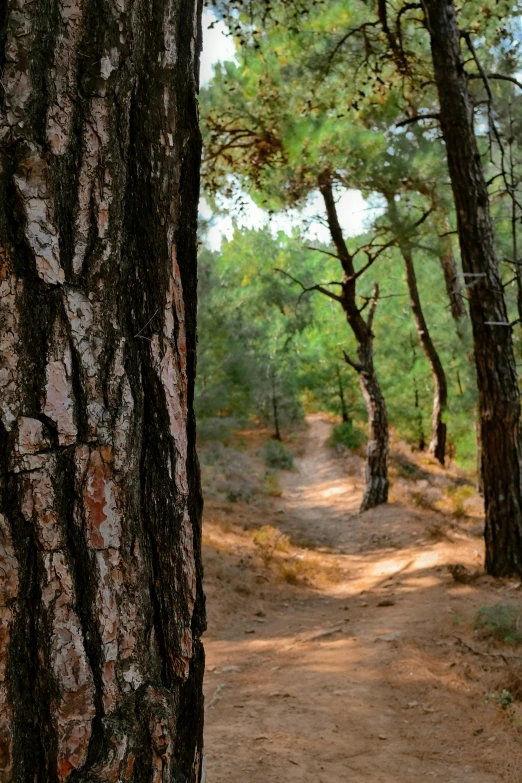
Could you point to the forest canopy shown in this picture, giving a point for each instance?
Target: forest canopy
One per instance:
(327, 94)
(418, 108)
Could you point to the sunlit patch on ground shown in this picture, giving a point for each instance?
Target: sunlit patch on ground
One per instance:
(340, 647)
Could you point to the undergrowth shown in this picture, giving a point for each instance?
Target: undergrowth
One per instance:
(347, 435)
(502, 621)
(276, 455)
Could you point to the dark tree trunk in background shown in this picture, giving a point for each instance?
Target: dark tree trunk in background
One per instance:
(344, 409)
(418, 415)
(454, 289)
(101, 662)
(377, 484)
(275, 408)
(499, 403)
(440, 386)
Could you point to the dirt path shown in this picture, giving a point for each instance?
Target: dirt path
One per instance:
(367, 679)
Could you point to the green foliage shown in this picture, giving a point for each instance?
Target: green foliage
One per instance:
(457, 497)
(347, 435)
(505, 699)
(228, 473)
(248, 329)
(217, 428)
(503, 621)
(276, 455)
(318, 88)
(260, 337)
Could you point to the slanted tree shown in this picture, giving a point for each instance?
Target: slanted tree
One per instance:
(377, 483)
(101, 662)
(282, 161)
(499, 397)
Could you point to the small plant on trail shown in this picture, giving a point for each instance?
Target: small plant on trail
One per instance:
(347, 435)
(501, 621)
(276, 455)
(268, 541)
(504, 698)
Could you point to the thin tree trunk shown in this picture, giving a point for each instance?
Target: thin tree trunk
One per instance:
(420, 430)
(101, 662)
(454, 290)
(499, 402)
(377, 484)
(275, 409)
(344, 409)
(440, 386)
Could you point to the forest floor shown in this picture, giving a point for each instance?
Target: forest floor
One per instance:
(341, 646)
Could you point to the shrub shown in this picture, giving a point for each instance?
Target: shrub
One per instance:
(276, 455)
(346, 435)
(217, 428)
(269, 540)
(501, 621)
(457, 497)
(271, 486)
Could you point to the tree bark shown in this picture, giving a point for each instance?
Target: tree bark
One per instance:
(377, 484)
(275, 408)
(440, 387)
(450, 271)
(344, 409)
(102, 609)
(499, 403)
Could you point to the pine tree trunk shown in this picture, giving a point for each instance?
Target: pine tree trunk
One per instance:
(440, 386)
(344, 409)
(377, 483)
(499, 403)
(275, 409)
(102, 610)
(451, 278)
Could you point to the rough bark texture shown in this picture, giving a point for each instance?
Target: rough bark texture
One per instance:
(499, 403)
(440, 386)
(101, 608)
(377, 484)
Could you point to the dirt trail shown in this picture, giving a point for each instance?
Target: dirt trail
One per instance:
(367, 679)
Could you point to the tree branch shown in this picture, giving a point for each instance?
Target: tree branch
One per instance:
(373, 306)
(418, 118)
(500, 76)
(325, 252)
(356, 366)
(306, 289)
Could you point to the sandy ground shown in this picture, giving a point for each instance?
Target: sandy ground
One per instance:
(351, 656)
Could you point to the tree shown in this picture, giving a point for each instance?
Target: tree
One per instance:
(440, 397)
(282, 162)
(102, 608)
(377, 483)
(499, 398)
